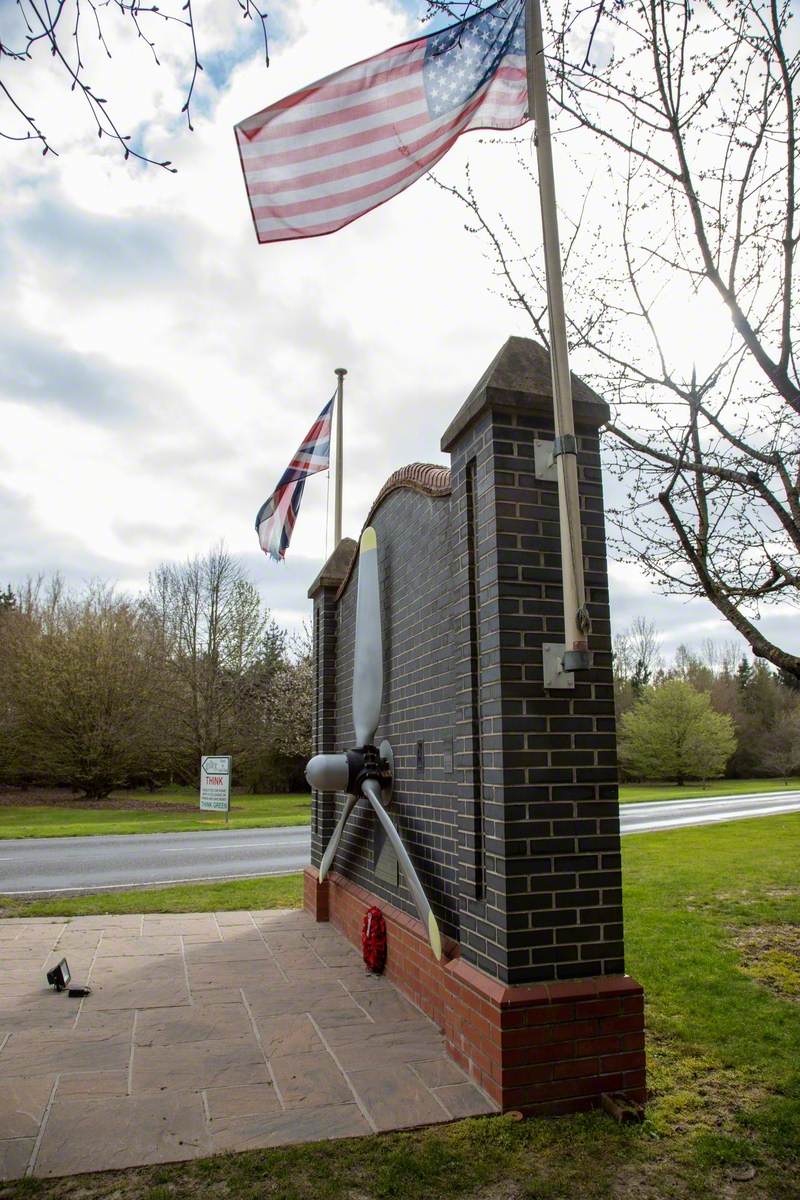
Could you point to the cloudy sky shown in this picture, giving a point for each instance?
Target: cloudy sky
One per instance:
(158, 368)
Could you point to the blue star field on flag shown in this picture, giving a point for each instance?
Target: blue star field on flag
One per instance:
(459, 60)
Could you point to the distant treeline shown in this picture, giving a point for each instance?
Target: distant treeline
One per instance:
(100, 690)
(709, 713)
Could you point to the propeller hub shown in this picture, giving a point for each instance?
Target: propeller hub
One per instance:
(347, 772)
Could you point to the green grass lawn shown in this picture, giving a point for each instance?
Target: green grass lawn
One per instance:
(636, 793)
(263, 812)
(278, 891)
(247, 812)
(723, 1059)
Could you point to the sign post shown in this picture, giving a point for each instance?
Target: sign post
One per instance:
(215, 783)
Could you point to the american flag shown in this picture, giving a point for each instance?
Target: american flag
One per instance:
(329, 153)
(276, 517)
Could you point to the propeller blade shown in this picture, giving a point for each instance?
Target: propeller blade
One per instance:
(327, 772)
(368, 664)
(336, 837)
(371, 789)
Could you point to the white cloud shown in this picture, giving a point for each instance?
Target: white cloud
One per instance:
(223, 350)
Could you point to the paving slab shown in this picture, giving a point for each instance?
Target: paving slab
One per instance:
(133, 1131)
(245, 948)
(24, 1017)
(205, 1033)
(197, 1065)
(311, 1125)
(193, 1023)
(462, 1099)
(119, 947)
(242, 1100)
(22, 1105)
(230, 933)
(292, 1033)
(234, 918)
(310, 1081)
(106, 921)
(438, 1072)
(30, 1055)
(135, 993)
(396, 1099)
(183, 924)
(15, 1156)
(111, 1022)
(93, 1083)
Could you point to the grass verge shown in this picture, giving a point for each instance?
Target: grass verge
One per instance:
(65, 820)
(638, 793)
(279, 891)
(724, 1068)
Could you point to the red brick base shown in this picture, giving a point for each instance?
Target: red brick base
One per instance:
(548, 1048)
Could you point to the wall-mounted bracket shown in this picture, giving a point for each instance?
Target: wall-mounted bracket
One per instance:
(554, 675)
(546, 453)
(387, 755)
(544, 463)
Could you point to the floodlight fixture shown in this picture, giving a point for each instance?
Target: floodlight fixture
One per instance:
(59, 976)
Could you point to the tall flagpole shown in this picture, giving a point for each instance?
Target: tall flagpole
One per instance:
(340, 373)
(576, 617)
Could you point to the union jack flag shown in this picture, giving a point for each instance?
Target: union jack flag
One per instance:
(276, 517)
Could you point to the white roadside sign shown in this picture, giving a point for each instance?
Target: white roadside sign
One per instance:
(215, 782)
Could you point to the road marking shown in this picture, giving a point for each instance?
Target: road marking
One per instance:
(107, 887)
(705, 819)
(745, 798)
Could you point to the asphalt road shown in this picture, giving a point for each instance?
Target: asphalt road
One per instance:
(32, 866)
(77, 864)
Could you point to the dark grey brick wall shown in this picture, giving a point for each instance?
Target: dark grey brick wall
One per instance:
(551, 907)
(415, 562)
(516, 836)
(323, 724)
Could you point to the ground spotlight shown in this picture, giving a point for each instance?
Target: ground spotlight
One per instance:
(59, 976)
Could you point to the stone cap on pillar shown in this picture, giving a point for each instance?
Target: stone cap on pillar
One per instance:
(335, 568)
(519, 378)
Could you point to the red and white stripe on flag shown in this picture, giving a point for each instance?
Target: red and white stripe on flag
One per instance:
(332, 151)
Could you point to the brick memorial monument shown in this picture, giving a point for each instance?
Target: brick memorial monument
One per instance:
(504, 782)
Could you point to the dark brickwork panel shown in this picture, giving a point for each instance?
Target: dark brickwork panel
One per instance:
(415, 563)
(323, 711)
(552, 907)
(506, 793)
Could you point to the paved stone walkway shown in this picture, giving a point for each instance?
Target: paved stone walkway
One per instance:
(204, 1032)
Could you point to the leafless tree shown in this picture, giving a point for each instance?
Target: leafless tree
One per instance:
(291, 699)
(70, 33)
(693, 111)
(214, 638)
(636, 661)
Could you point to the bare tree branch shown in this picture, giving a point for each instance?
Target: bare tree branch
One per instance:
(55, 27)
(693, 109)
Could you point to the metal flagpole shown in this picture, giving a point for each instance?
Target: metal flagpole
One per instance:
(340, 373)
(576, 617)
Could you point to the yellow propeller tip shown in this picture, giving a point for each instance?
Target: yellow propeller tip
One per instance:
(435, 936)
(368, 539)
